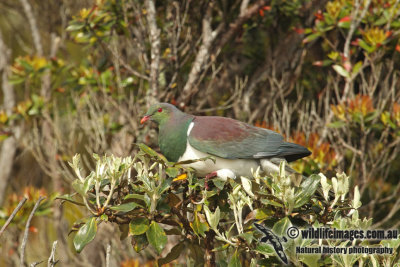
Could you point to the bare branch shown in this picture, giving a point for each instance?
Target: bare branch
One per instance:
(354, 24)
(108, 253)
(155, 51)
(33, 264)
(28, 223)
(243, 7)
(202, 56)
(52, 261)
(34, 28)
(9, 146)
(121, 61)
(20, 204)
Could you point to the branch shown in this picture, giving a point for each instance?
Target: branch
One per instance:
(20, 204)
(52, 261)
(9, 146)
(202, 56)
(108, 252)
(28, 223)
(210, 254)
(355, 22)
(34, 29)
(243, 17)
(155, 51)
(183, 220)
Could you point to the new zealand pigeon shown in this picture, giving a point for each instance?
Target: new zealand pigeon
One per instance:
(237, 146)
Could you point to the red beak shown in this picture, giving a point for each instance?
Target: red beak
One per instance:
(144, 119)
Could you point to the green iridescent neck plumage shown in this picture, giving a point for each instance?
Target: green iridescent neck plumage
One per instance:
(172, 136)
(173, 125)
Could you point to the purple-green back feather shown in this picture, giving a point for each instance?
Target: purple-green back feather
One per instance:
(232, 139)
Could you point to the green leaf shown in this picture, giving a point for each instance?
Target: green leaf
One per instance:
(336, 124)
(263, 213)
(265, 249)
(212, 218)
(148, 150)
(247, 186)
(14, 80)
(138, 226)
(235, 260)
(356, 203)
(69, 198)
(172, 172)
(281, 226)
(381, 21)
(325, 186)
(134, 196)
(371, 115)
(311, 260)
(126, 207)
(26, 65)
(139, 242)
(173, 254)
(219, 183)
(248, 237)
(339, 69)
(365, 46)
(156, 236)
(306, 190)
(199, 227)
(271, 202)
(395, 24)
(75, 27)
(79, 187)
(221, 248)
(311, 37)
(356, 68)
(85, 234)
(166, 183)
(344, 25)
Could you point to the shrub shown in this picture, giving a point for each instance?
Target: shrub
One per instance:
(155, 198)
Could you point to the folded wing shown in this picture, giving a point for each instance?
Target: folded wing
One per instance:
(232, 139)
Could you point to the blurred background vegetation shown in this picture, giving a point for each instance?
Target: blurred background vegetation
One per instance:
(77, 75)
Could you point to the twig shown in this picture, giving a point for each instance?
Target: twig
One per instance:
(108, 252)
(52, 261)
(20, 204)
(121, 61)
(28, 223)
(33, 264)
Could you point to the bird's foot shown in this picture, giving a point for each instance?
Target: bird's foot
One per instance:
(208, 177)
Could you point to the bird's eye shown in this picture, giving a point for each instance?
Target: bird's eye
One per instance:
(159, 110)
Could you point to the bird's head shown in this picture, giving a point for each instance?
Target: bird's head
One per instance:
(159, 113)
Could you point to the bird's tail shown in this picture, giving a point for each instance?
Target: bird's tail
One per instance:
(292, 152)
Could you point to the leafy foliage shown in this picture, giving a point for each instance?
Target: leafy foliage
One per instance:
(155, 204)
